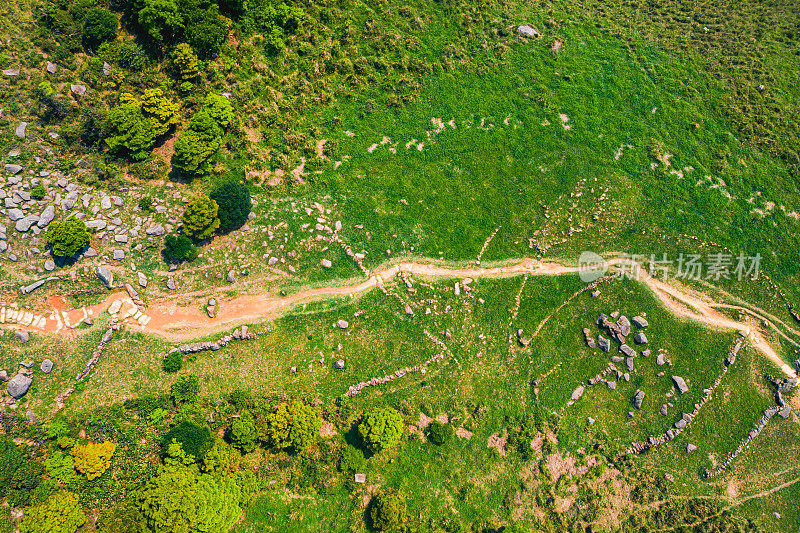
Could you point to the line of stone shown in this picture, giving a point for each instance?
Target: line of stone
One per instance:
(107, 336)
(686, 419)
(238, 334)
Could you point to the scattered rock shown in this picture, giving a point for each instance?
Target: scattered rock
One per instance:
(171, 283)
(231, 277)
(19, 131)
(157, 230)
(339, 364)
(342, 324)
(638, 398)
(690, 447)
(603, 343)
(681, 384)
(577, 393)
(13, 169)
(77, 90)
(327, 263)
(527, 30)
(639, 322)
(22, 336)
(47, 366)
(360, 478)
(640, 338)
(19, 385)
(142, 280)
(105, 276)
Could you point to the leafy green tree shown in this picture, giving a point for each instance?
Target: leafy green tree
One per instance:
(160, 109)
(387, 513)
(59, 466)
(60, 513)
(200, 218)
(182, 500)
(208, 31)
(352, 459)
(161, 19)
(67, 237)
(243, 433)
(291, 425)
(179, 248)
(381, 429)
(99, 26)
(219, 109)
(221, 459)
(439, 433)
(234, 204)
(185, 62)
(194, 440)
(129, 131)
(197, 143)
(132, 56)
(185, 389)
(173, 362)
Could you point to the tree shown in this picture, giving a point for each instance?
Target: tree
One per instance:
(234, 204)
(173, 362)
(352, 459)
(124, 517)
(93, 459)
(381, 429)
(59, 466)
(179, 248)
(67, 237)
(200, 218)
(439, 433)
(10, 460)
(185, 389)
(161, 19)
(129, 131)
(159, 108)
(182, 500)
(243, 433)
(207, 32)
(194, 440)
(60, 513)
(197, 143)
(185, 62)
(387, 513)
(219, 109)
(99, 26)
(291, 425)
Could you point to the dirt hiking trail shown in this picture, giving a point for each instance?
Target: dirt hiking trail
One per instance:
(180, 322)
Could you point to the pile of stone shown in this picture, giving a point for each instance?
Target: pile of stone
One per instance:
(242, 333)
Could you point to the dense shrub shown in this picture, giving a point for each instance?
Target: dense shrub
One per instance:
(352, 459)
(196, 144)
(291, 425)
(195, 441)
(387, 513)
(185, 389)
(134, 125)
(239, 398)
(185, 62)
(381, 429)
(61, 513)
(67, 237)
(24, 479)
(243, 433)
(99, 26)
(131, 56)
(59, 466)
(123, 517)
(439, 433)
(234, 204)
(173, 362)
(93, 459)
(200, 218)
(179, 248)
(219, 109)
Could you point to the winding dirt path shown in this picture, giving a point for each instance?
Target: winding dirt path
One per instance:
(180, 322)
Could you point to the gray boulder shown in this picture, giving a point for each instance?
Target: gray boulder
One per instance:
(627, 350)
(47, 216)
(19, 385)
(171, 283)
(78, 90)
(639, 322)
(624, 325)
(13, 169)
(603, 343)
(156, 230)
(638, 398)
(342, 324)
(690, 447)
(663, 409)
(105, 276)
(339, 364)
(14, 214)
(47, 366)
(527, 30)
(577, 393)
(19, 131)
(142, 280)
(681, 384)
(640, 338)
(22, 336)
(49, 265)
(231, 277)
(50, 67)
(118, 255)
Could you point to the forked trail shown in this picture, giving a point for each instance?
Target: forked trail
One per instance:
(178, 322)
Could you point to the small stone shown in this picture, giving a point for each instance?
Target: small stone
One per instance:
(342, 324)
(105, 276)
(360, 478)
(19, 131)
(690, 447)
(118, 255)
(339, 364)
(327, 263)
(142, 280)
(77, 90)
(19, 385)
(49, 265)
(231, 277)
(22, 336)
(527, 30)
(171, 283)
(46, 366)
